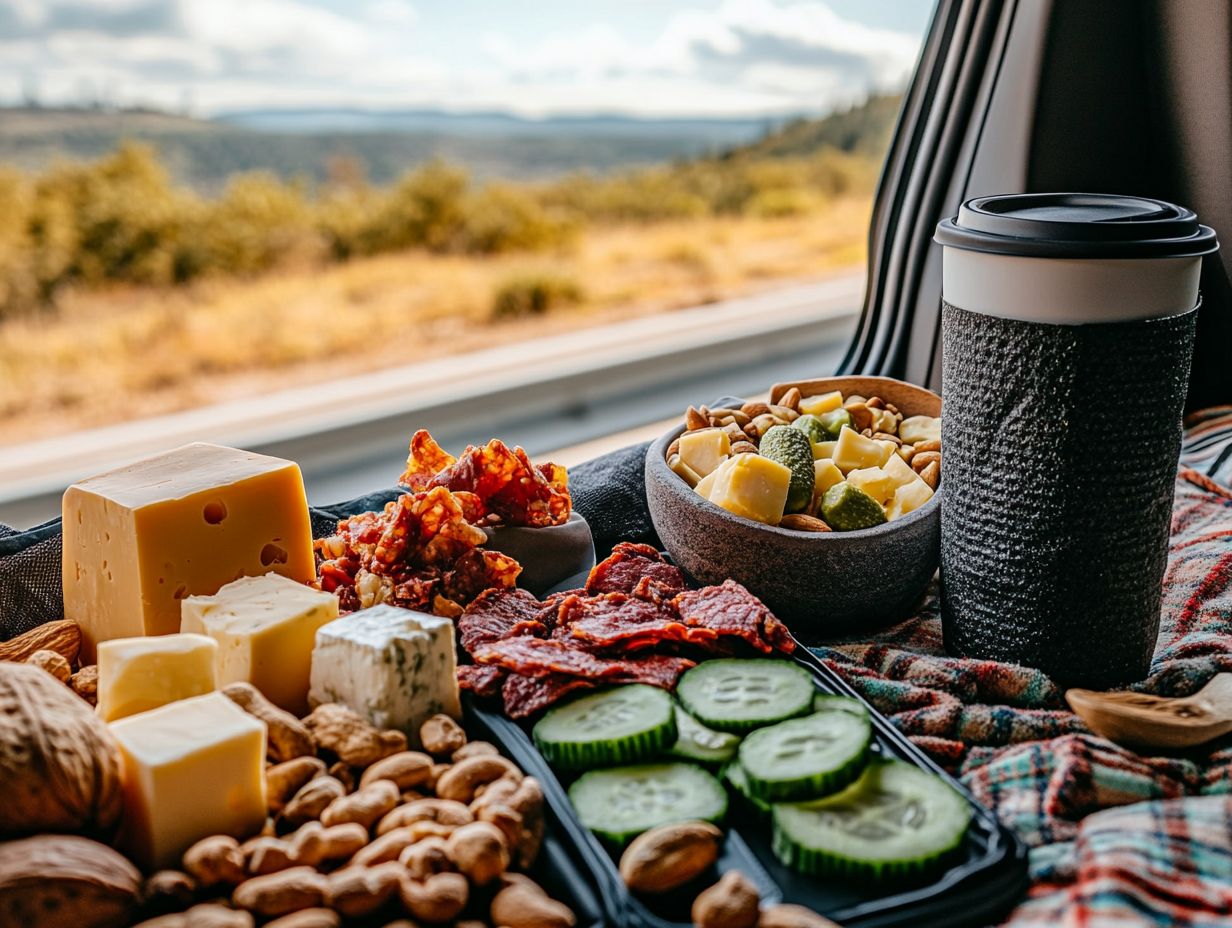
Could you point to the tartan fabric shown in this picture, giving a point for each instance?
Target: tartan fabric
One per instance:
(1117, 838)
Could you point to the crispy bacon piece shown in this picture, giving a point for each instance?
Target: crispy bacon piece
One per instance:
(614, 619)
(480, 680)
(731, 610)
(628, 565)
(496, 614)
(502, 479)
(527, 695)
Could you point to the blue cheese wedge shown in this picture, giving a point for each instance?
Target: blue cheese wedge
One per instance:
(394, 667)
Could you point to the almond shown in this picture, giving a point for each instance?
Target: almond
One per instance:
(664, 858)
(799, 522)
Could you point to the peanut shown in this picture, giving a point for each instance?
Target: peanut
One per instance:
(206, 915)
(667, 857)
(730, 903)
(266, 855)
(785, 413)
(308, 918)
(743, 447)
(53, 662)
(85, 683)
(315, 844)
(311, 800)
(932, 444)
(434, 775)
(358, 891)
(280, 893)
(336, 728)
(344, 774)
(215, 860)
(441, 735)
(479, 852)
(408, 770)
(434, 811)
(168, 891)
(440, 897)
(461, 780)
(763, 423)
(522, 903)
(364, 806)
(288, 738)
(282, 781)
(473, 749)
(425, 857)
(386, 847)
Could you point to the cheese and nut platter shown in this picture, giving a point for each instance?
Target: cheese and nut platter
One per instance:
(238, 724)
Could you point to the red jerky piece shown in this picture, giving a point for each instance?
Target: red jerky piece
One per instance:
(731, 610)
(497, 614)
(616, 619)
(628, 565)
(661, 670)
(481, 680)
(652, 591)
(527, 695)
(534, 657)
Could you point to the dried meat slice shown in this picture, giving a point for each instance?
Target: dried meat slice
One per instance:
(614, 619)
(496, 614)
(535, 657)
(482, 681)
(527, 695)
(627, 566)
(661, 670)
(730, 610)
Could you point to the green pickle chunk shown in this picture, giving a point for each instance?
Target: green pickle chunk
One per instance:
(791, 448)
(832, 423)
(847, 508)
(812, 427)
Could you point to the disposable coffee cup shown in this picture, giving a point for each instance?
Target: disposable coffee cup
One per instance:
(1067, 333)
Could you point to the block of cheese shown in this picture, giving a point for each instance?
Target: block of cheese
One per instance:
(900, 471)
(139, 539)
(686, 473)
(393, 666)
(908, 498)
(824, 450)
(825, 475)
(854, 451)
(139, 674)
(875, 482)
(266, 628)
(189, 769)
(751, 486)
(704, 450)
(822, 402)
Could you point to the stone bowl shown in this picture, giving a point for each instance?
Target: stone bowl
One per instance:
(822, 584)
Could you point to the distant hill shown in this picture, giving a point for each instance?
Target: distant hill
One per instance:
(305, 143)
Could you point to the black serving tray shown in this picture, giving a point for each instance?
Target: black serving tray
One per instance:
(987, 877)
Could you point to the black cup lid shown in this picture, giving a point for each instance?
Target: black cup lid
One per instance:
(1076, 225)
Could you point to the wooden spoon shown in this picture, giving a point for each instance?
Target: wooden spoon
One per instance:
(1139, 720)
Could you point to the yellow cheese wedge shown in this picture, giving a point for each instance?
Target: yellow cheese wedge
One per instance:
(687, 474)
(753, 487)
(908, 498)
(189, 769)
(824, 450)
(706, 484)
(704, 450)
(139, 674)
(874, 481)
(900, 471)
(920, 428)
(854, 451)
(266, 628)
(139, 539)
(822, 402)
(825, 475)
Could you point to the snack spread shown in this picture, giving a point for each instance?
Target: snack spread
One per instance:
(811, 463)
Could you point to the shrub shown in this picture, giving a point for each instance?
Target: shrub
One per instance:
(534, 294)
(500, 218)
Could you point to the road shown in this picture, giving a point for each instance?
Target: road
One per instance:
(350, 435)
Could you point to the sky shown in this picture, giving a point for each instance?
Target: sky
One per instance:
(533, 57)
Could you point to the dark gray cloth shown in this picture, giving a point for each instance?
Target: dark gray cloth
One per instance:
(610, 493)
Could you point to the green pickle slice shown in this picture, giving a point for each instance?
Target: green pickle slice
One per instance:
(847, 508)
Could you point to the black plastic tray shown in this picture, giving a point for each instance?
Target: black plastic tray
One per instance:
(986, 879)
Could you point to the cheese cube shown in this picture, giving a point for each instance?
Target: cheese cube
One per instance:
(189, 769)
(266, 628)
(824, 450)
(139, 674)
(706, 484)
(822, 402)
(686, 473)
(139, 539)
(704, 450)
(753, 487)
(825, 475)
(875, 482)
(393, 666)
(908, 498)
(854, 451)
(900, 471)
(920, 428)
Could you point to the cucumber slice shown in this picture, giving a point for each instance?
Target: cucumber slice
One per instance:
(696, 742)
(622, 725)
(735, 777)
(622, 802)
(808, 757)
(825, 702)
(896, 821)
(739, 695)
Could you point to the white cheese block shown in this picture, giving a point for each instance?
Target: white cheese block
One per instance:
(854, 451)
(908, 498)
(395, 667)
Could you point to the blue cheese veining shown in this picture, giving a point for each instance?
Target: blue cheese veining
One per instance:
(393, 666)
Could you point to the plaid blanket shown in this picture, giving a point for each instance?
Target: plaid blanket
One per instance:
(1117, 839)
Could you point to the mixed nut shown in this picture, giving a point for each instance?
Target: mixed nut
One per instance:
(811, 463)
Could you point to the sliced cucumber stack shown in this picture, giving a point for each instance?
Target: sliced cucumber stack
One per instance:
(807, 757)
(824, 702)
(617, 726)
(741, 695)
(896, 821)
(696, 742)
(620, 803)
(735, 777)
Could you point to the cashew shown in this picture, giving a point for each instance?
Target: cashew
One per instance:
(730, 903)
(344, 774)
(667, 857)
(435, 774)
(206, 915)
(497, 793)
(358, 891)
(506, 820)
(473, 749)
(479, 852)
(441, 735)
(214, 860)
(53, 662)
(308, 918)
(288, 738)
(168, 891)
(426, 857)
(386, 847)
(441, 811)
(522, 903)
(792, 916)
(528, 803)
(439, 898)
(266, 855)
(282, 781)
(336, 728)
(461, 780)
(280, 893)
(408, 769)
(311, 800)
(364, 806)
(315, 844)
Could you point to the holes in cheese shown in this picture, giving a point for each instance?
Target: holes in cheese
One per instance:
(853, 451)
(703, 450)
(753, 487)
(215, 511)
(273, 554)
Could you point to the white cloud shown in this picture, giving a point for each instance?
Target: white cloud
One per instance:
(745, 56)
